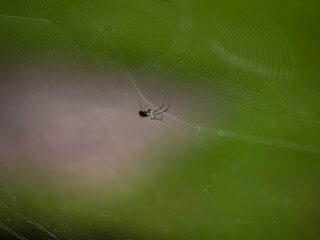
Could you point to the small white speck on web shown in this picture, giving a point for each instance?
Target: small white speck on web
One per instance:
(220, 133)
(104, 215)
(199, 127)
(13, 197)
(274, 221)
(207, 188)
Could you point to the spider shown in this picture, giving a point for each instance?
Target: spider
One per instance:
(153, 114)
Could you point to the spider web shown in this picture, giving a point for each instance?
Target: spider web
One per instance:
(217, 64)
(220, 67)
(203, 69)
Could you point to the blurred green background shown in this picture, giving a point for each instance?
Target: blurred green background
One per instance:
(237, 157)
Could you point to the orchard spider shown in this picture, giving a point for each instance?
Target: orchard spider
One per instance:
(153, 114)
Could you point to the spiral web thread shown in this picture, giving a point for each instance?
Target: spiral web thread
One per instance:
(238, 68)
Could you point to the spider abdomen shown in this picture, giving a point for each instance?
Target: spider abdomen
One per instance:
(143, 114)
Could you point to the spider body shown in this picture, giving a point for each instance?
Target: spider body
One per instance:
(153, 114)
(144, 113)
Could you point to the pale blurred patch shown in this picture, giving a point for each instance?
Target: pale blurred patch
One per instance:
(88, 129)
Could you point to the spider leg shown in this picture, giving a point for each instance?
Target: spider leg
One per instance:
(160, 119)
(159, 107)
(164, 110)
(153, 117)
(145, 105)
